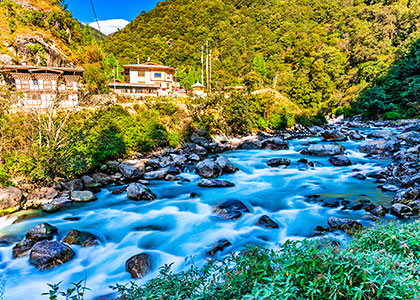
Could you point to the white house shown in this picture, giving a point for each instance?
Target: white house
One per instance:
(147, 80)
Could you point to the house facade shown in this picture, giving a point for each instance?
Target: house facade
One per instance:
(39, 87)
(147, 80)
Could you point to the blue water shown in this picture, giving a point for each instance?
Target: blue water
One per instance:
(184, 227)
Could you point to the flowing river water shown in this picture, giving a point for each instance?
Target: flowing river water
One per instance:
(176, 227)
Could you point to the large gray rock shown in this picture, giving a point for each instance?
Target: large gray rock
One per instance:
(132, 169)
(275, 144)
(219, 246)
(276, 162)
(380, 146)
(208, 169)
(334, 136)
(401, 210)
(214, 183)
(10, 200)
(266, 222)
(91, 183)
(406, 195)
(138, 191)
(230, 209)
(340, 160)
(381, 134)
(156, 175)
(196, 149)
(43, 231)
(82, 238)
(346, 225)
(82, 196)
(226, 165)
(22, 248)
(139, 265)
(323, 150)
(251, 143)
(411, 138)
(50, 254)
(379, 211)
(73, 185)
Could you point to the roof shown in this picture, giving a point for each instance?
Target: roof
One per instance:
(31, 69)
(197, 85)
(149, 66)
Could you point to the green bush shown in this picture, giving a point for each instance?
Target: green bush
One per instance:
(391, 115)
(380, 263)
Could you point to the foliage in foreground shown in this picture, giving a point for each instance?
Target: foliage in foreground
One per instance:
(381, 263)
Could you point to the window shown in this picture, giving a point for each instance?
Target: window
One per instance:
(141, 74)
(158, 75)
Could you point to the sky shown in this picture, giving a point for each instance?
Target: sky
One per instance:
(112, 15)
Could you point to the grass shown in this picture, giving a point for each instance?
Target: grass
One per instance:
(380, 263)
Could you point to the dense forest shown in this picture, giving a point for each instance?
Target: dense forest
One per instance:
(320, 54)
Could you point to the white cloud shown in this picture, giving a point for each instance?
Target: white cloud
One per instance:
(110, 26)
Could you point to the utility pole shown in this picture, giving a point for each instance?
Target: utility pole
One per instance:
(202, 65)
(207, 65)
(118, 74)
(210, 70)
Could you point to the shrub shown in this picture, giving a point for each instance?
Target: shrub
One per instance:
(379, 263)
(391, 115)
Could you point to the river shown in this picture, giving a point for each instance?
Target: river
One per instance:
(176, 227)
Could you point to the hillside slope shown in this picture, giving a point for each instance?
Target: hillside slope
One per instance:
(322, 52)
(41, 32)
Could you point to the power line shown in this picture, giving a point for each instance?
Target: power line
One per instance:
(94, 13)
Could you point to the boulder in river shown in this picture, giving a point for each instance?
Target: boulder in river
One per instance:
(406, 195)
(379, 211)
(339, 160)
(139, 265)
(230, 209)
(219, 246)
(346, 225)
(91, 183)
(138, 191)
(275, 144)
(132, 169)
(334, 136)
(276, 162)
(380, 146)
(401, 210)
(266, 222)
(22, 248)
(324, 150)
(225, 164)
(10, 199)
(43, 231)
(212, 183)
(251, 143)
(83, 196)
(381, 134)
(82, 238)
(411, 138)
(156, 175)
(355, 136)
(208, 169)
(50, 254)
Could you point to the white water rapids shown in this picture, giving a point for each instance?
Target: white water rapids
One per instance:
(176, 227)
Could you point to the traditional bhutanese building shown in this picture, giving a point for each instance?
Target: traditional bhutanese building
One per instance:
(147, 80)
(38, 87)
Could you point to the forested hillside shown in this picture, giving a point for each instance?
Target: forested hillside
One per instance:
(324, 53)
(44, 33)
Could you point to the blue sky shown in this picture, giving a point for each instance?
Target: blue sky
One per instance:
(111, 14)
